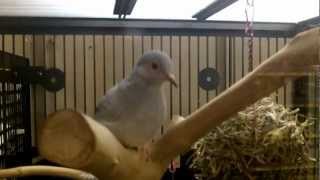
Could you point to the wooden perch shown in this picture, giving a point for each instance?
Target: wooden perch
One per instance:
(75, 140)
(45, 171)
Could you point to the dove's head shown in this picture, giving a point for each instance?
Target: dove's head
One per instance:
(155, 66)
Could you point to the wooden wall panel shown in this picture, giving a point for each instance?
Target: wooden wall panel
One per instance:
(79, 73)
(70, 72)
(128, 55)
(94, 63)
(221, 45)
(226, 62)
(156, 42)
(184, 78)
(8, 43)
(202, 64)
(256, 52)
(89, 75)
(39, 93)
(118, 58)
(137, 48)
(264, 49)
(238, 59)
(233, 59)
(110, 62)
(29, 53)
(60, 64)
(1, 41)
(18, 44)
(212, 60)
(166, 47)
(175, 54)
(99, 67)
(147, 44)
(50, 63)
(194, 73)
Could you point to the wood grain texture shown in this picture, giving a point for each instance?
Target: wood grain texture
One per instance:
(193, 73)
(1, 42)
(39, 92)
(50, 63)
(256, 52)
(175, 55)
(60, 64)
(238, 55)
(156, 42)
(89, 75)
(118, 58)
(109, 62)
(18, 44)
(147, 44)
(212, 59)
(227, 64)
(69, 71)
(128, 55)
(99, 67)
(137, 48)
(166, 47)
(29, 53)
(79, 73)
(8, 43)
(184, 76)
(221, 62)
(203, 57)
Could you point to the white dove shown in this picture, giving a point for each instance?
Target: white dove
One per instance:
(135, 109)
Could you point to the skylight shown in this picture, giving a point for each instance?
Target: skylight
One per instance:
(265, 10)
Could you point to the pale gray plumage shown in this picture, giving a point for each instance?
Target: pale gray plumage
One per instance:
(135, 109)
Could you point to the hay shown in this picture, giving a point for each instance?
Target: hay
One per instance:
(264, 136)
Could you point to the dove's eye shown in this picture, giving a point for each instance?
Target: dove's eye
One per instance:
(154, 66)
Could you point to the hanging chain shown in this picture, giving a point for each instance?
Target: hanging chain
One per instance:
(249, 11)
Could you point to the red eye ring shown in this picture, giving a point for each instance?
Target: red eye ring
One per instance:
(154, 66)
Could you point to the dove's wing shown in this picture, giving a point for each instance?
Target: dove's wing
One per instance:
(107, 109)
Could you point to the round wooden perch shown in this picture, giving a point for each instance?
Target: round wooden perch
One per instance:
(45, 171)
(75, 140)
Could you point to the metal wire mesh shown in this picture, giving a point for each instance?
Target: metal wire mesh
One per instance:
(15, 140)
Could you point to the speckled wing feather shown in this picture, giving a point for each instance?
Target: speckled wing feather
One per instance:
(107, 108)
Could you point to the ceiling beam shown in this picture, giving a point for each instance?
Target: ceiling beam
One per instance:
(124, 7)
(309, 23)
(213, 8)
(140, 26)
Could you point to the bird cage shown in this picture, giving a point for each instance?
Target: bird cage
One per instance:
(15, 130)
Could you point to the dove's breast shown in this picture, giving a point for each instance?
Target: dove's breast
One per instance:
(140, 115)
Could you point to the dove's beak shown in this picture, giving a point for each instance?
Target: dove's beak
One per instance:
(172, 79)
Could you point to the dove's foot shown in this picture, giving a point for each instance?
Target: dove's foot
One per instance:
(145, 152)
